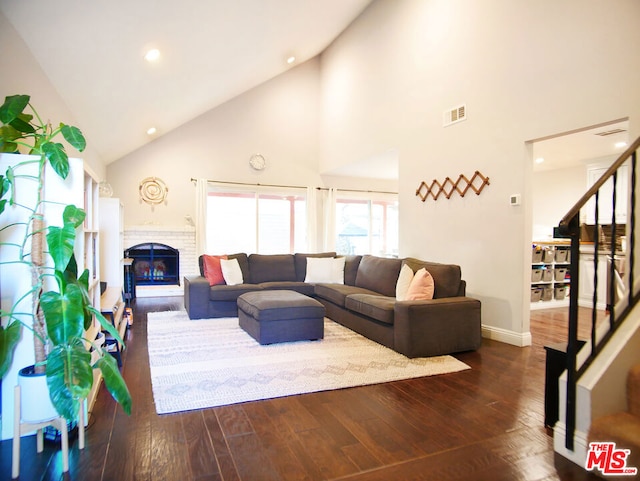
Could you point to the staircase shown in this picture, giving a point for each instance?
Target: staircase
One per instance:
(622, 428)
(592, 391)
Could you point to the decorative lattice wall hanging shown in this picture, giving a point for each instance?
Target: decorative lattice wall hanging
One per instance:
(153, 191)
(448, 187)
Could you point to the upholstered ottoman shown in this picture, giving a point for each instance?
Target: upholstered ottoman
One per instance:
(280, 316)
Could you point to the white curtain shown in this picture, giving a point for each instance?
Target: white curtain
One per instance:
(329, 209)
(312, 219)
(201, 216)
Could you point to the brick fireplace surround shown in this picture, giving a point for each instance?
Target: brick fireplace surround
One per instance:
(182, 238)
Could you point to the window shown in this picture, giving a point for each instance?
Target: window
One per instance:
(273, 220)
(265, 222)
(367, 226)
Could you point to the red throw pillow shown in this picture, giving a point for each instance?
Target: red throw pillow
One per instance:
(212, 269)
(421, 287)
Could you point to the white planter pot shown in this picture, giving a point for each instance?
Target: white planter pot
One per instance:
(35, 403)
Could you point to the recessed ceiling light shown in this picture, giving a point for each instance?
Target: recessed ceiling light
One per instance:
(619, 145)
(152, 55)
(291, 59)
(539, 160)
(151, 130)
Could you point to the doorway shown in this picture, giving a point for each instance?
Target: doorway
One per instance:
(564, 165)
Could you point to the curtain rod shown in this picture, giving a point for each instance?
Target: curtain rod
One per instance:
(209, 181)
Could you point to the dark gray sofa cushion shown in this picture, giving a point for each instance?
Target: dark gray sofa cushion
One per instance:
(280, 305)
(301, 287)
(224, 292)
(300, 260)
(351, 264)
(379, 274)
(377, 307)
(243, 262)
(446, 277)
(337, 293)
(269, 268)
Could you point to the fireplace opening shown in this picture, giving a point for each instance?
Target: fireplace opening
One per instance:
(154, 264)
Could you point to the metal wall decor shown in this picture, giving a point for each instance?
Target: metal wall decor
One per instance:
(153, 191)
(448, 187)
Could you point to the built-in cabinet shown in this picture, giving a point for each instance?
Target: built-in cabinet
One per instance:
(605, 201)
(550, 274)
(586, 286)
(111, 242)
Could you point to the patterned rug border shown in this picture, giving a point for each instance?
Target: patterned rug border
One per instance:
(207, 363)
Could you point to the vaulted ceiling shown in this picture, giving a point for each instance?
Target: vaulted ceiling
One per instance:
(210, 51)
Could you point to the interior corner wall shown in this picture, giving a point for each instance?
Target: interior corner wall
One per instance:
(22, 75)
(278, 119)
(524, 70)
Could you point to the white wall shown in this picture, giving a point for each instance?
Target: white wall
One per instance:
(278, 119)
(524, 69)
(554, 192)
(21, 74)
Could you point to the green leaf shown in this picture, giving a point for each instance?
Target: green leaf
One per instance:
(9, 338)
(57, 156)
(114, 382)
(7, 136)
(83, 284)
(12, 107)
(22, 124)
(69, 377)
(61, 241)
(11, 177)
(106, 325)
(5, 185)
(74, 136)
(64, 314)
(9, 133)
(8, 147)
(73, 215)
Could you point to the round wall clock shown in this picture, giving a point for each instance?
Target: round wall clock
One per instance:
(257, 162)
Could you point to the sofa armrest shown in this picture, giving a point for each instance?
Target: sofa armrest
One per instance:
(196, 297)
(437, 326)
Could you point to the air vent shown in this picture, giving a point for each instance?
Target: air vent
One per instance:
(610, 132)
(454, 115)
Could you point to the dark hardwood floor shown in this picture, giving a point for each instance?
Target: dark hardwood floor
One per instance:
(485, 423)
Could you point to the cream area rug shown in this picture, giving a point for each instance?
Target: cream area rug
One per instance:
(213, 362)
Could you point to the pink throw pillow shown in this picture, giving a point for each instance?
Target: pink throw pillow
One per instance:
(421, 287)
(212, 269)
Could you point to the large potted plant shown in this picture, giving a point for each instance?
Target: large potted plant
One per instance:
(61, 311)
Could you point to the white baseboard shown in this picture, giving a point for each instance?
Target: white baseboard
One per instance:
(580, 444)
(159, 291)
(519, 339)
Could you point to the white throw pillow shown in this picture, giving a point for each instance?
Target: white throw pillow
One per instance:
(404, 281)
(231, 271)
(325, 269)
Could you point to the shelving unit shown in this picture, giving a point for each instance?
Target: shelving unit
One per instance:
(90, 248)
(550, 274)
(80, 188)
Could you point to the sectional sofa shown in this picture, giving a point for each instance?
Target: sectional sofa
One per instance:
(365, 301)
